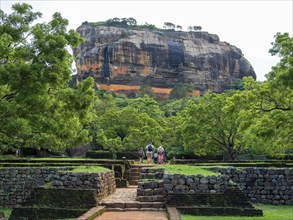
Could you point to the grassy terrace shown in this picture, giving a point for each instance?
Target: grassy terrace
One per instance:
(190, 169)
(7, 211)
(271, 212)
(89, 169)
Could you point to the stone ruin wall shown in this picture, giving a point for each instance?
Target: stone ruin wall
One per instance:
(16, 184)
(263, 185)
(260, 185)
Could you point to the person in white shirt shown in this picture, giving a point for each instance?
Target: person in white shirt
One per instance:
(160, 154)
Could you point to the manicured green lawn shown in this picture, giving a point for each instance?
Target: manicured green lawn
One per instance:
(7, 212)
(89, 169)
(65, 158)
(270, 213)
(189, 169)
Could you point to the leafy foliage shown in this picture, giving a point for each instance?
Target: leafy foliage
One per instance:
(209, 127)
(121, 22)
(169, 25)
(37, 107)
(127, 129)
(268, 120)
(180, 91)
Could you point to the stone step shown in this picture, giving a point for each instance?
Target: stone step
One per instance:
(150, 192)
(133, 205)
(137, 170)
(156, 198)
(134, 179)
(133, 182)
(157, 205)
(135, 175)
(135, 209)
(151, 184)
(92, 213)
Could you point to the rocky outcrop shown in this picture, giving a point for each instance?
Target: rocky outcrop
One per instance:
(129, 57)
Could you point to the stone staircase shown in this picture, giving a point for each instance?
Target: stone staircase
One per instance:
(150, 191)
(149, 195)
(135, 173)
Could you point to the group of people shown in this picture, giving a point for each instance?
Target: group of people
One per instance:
(153, 155)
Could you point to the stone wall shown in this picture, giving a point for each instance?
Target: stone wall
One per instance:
(178, 183)
(16, 184)
(264, 185)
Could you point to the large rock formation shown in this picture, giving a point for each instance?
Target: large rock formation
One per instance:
(125, 58)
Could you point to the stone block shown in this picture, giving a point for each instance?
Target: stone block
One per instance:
(204, 180)
(146, 205)
(131, 209)
(132, 204)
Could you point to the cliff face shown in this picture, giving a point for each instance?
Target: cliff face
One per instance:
(128, 57)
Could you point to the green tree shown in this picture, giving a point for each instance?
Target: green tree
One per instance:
(173, 106)
(237, 84)
(127, 129)
(146, 89)
(169, 25)
(197, 28)
(190, 28)
(210, 128)
(268, 122)
(179, 27)
(124, 22)
(37, 108)
(180, 91)
(282, 73)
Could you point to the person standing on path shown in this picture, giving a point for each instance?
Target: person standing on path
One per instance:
(149, 152)
(141, 155)
(161, 154)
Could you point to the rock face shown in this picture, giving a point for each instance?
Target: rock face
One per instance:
(125, 58)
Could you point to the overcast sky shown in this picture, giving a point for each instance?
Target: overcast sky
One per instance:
(249, 25)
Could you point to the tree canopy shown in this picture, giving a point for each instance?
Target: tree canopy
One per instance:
(38, 109)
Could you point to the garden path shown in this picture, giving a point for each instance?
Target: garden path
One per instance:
(126, 197)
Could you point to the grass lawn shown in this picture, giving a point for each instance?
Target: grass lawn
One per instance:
(89, 169)
(270, 212)
(189, 169)
(7, 211)
(65, 158)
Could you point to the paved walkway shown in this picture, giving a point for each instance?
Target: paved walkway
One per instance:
(121, 195)
(128, 195)
(134, 215)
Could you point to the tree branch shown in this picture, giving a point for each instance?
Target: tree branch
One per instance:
(10, 96)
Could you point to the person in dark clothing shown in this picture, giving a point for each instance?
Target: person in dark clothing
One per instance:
(141, 155)
(165, 156)
(155, 157)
